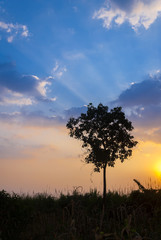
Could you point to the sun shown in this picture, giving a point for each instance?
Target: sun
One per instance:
(158, 169)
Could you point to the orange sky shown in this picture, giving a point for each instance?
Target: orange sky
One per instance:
(56, 57)
(47, 159)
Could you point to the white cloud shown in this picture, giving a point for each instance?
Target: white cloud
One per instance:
(59, 74)
(139, 13)
(58, 70)
(17, 101)
(13, 30)
(10, 39)
(56, 67)
(53, 99)
(6, 26)
(9, 97)
(42, 87)
(25, 32)
(155, 73)
(36, 77)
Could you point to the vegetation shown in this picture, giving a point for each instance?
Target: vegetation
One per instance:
(77, 216)
(106, 136)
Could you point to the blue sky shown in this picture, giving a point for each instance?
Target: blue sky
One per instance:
(66, 41)
(57, 56)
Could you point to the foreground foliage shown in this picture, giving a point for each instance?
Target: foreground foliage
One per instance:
(78, 216)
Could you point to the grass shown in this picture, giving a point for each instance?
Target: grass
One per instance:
(78, 216)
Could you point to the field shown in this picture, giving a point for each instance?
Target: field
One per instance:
(78, 216)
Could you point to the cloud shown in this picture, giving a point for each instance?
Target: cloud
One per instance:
(12, 80)
(145, 93)
(20, 101)
(142, 102)
(13, 30)
(10, 39)
(58, 70)
(19, 89)
(39, 118)
(75, 112)
(55, 68)
(42, 87)
(32, 101)
(137, 12)
(31, 119)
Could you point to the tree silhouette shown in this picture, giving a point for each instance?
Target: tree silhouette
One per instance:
(106, 136)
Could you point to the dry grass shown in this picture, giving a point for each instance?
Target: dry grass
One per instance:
(77, 216)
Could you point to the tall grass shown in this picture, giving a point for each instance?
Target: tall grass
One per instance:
(77, 216)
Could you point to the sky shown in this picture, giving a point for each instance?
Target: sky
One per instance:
(56, 57)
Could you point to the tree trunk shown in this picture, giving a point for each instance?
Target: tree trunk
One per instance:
(104, 196)
(104, 184)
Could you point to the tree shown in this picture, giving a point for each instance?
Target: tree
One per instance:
(106, 136)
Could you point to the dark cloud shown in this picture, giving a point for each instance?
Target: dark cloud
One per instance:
(147, 117)
(35, 88)
(21, 91)
(145, 93)
(14, 81)
(75, 112)
(147, 123)
(143, 101)
(123, 4)
(36, 119)
(26, 85)
(39, 118)
(127, 5)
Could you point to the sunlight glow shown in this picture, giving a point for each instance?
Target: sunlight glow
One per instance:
(158, 169)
